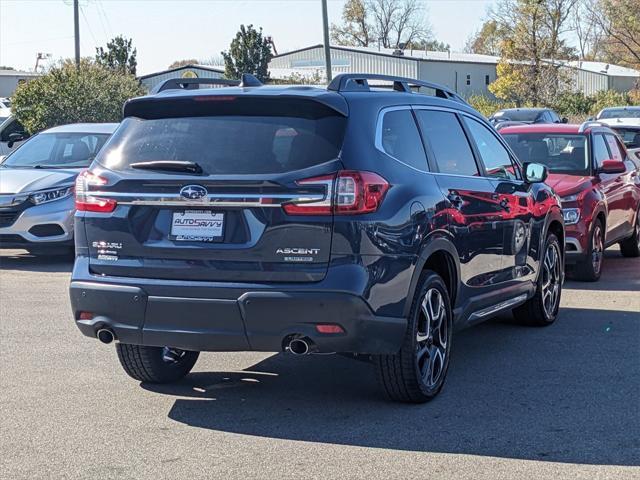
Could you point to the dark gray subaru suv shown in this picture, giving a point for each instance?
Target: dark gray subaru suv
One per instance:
(353, 219)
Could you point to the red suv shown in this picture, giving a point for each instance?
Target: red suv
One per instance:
(598, 182)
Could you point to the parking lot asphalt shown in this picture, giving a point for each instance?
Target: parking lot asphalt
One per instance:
(557, 402)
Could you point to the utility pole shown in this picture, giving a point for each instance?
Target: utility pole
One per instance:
(327, 48)
(76, 27)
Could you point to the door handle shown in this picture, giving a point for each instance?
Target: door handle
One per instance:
(455, 199)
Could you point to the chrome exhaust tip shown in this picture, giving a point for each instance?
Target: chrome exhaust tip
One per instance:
(105, 335)
(298, 346)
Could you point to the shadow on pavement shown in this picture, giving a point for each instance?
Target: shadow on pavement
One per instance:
(566, 393)
(618, 273)
(21, 260)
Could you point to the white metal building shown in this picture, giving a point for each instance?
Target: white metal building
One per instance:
(464, 73)
(186, 71)
(10, 79)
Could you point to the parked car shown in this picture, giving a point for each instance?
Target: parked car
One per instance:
(5, 103)
(618, 112)
(37, 182)
(303, 219)
(599, 185)
(12, 134)
(627, 128)
(526, 116)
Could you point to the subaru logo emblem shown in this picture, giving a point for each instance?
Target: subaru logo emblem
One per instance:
(193, 192)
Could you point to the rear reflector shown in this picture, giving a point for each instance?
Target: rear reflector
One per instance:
(85, 202)
(329, 328)
(355, 193)
(86, 316)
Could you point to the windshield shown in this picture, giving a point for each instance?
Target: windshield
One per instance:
(561, 153)
(620, 113)
(630, 136)
(228, 144)
(57, 150)
(517, 115)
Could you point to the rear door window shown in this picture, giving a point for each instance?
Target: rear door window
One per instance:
(401, 140)
(448, 142)
(227, 144)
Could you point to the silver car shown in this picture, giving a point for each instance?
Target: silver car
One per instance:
(37, 183)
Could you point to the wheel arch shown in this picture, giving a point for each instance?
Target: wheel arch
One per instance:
(440, 255)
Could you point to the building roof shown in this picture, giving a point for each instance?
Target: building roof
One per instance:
(108, 128)
(431, 56)
(605, 69)
(183, 67)
(18, 73)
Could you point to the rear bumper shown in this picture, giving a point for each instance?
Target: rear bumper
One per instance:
(233, 319)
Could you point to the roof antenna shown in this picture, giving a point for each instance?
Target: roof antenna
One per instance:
(248, 80)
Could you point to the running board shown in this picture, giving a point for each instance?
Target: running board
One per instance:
(493, 309)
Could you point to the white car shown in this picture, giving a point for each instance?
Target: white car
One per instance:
(37, 182)
(629, 130)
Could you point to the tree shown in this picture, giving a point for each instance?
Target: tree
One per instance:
(429, 46)
(391, 23)
(487, 40)
(533, 50)
(619, 21)
(355, 31)
(119, 55)
(66, 94)
(249, 52)
(5, 67)
(182, 63)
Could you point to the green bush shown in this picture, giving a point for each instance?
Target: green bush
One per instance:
(573, 104)
(609, 98)
(67, 94)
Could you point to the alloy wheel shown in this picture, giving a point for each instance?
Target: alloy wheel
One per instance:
(597, 249)
(551, 280)
(432, 337)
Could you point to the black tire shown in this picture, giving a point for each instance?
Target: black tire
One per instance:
(590, 269)
(146, 364)
(542, 309)
(400, 375)
(631, 246)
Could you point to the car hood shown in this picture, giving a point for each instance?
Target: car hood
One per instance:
(23, 180)
(564, 184)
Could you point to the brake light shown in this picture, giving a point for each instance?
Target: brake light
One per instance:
(359, 192)
(85, 202)
(355, 193)
(321, 207)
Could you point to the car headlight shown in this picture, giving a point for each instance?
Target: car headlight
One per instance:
(571, 215)
(45, 196)
(569, 198)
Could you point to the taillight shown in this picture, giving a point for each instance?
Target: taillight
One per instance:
(359, 192)
(85, 202)
(347, 193)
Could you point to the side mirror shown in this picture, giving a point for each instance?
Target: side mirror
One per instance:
(14, 138)
(565, 120)
(535, 173)
(613, 166)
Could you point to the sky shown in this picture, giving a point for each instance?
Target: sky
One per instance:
(168, 30)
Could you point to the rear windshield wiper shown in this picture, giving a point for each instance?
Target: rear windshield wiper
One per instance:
(169, 165)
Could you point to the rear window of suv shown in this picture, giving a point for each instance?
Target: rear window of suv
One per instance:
(227, 144)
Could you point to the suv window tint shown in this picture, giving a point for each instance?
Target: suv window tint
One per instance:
(614, 148)
(227, 144)
(600, 152)
(448, 142)
(495, 157)
(401, 139)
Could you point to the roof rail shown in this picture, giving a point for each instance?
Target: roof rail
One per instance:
(358, 82)
(591, 124)
(192, 83)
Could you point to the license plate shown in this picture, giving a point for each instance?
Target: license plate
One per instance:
(197, 226)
